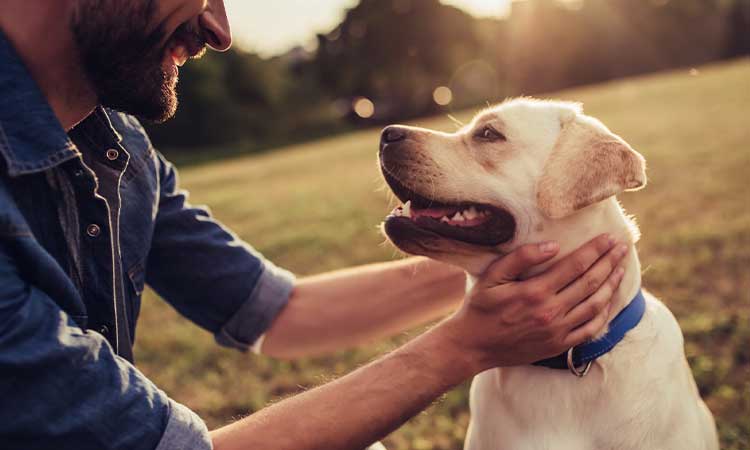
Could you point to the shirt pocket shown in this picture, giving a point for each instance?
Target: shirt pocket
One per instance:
(136, 283)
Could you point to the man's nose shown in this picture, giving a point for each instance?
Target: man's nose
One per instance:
(215, 26)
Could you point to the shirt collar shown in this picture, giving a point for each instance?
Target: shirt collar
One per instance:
(31, 137)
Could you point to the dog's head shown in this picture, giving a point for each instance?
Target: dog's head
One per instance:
(478, 193)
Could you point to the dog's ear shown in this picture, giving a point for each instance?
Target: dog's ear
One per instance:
(588, 164)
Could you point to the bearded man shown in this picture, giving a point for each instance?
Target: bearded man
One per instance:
(90, 212)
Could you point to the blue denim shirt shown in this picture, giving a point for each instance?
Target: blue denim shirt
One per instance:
(86, 219)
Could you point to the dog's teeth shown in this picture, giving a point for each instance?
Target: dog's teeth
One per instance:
(458, 217)
(445, 219)
(407, 209)
(471, 213)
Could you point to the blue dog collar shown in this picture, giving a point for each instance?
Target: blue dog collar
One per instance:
(583, 355)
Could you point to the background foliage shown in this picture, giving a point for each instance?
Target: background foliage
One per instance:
(396, 52)
(315, 206)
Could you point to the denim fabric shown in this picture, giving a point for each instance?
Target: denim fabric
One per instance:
(87, 218)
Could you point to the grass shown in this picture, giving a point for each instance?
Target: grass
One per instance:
(315, 207)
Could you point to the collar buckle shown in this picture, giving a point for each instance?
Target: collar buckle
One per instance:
(580, 373)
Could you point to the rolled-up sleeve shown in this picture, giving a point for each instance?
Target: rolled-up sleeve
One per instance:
(64, 388)
(210, 275)
(185, 430)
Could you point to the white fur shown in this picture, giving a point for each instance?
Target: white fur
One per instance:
(639, 396)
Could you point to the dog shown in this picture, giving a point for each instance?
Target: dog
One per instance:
(530, 171)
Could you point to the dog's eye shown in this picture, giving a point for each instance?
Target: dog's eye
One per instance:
(488, 133)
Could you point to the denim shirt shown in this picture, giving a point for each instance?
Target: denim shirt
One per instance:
(87, 218)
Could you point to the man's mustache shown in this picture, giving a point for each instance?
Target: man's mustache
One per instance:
(191, 38)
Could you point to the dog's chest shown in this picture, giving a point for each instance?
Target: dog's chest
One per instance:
(629, 398)
(539, 409)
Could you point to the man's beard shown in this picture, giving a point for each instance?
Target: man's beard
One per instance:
(123, 63)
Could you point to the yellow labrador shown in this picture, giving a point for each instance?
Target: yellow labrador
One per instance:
(530, 171)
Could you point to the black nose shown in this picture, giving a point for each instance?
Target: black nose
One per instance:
(393, 134)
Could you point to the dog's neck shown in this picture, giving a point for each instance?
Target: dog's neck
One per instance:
(604, 217)
(574, 231)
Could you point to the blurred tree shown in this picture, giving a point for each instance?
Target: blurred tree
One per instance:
(554, 44)
(220, 95)
(738, 29)
(396, 52)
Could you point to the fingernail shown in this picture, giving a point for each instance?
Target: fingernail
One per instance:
(611, 239)
(621, 250)
(548, 247)
(620, 271)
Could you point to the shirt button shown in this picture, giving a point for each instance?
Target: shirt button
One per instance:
(78, 173)
(104, 330)
(93, 230)
(112, 154)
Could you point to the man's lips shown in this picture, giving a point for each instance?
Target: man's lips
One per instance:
(179, 55)
(185, 44)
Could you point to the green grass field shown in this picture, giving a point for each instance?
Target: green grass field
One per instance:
(315, 207)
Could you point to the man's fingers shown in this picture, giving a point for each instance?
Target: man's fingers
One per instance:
(595, 308)
(587, 332)
(523, 258)
(577, 263)
(592, 280)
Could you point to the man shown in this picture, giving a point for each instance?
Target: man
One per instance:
(89, 212)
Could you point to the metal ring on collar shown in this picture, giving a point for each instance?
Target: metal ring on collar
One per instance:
(573, 369)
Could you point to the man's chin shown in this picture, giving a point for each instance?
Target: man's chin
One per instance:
(153, 105)
(154, 113)
(165, 108)
(159, 117)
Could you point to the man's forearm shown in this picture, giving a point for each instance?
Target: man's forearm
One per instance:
(502, 322)
(360, 408)
(349, 307)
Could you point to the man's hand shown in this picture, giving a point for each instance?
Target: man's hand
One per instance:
(506, 322)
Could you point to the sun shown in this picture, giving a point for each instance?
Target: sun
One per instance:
(482, 8)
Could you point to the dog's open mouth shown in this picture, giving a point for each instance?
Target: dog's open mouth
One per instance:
(472, 223)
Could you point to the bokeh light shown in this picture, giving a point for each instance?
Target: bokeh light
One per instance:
(364, 107)
(442, 95)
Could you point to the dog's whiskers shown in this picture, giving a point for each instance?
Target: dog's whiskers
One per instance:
(455, 121)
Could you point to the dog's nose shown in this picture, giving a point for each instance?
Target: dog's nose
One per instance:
(393, 134)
